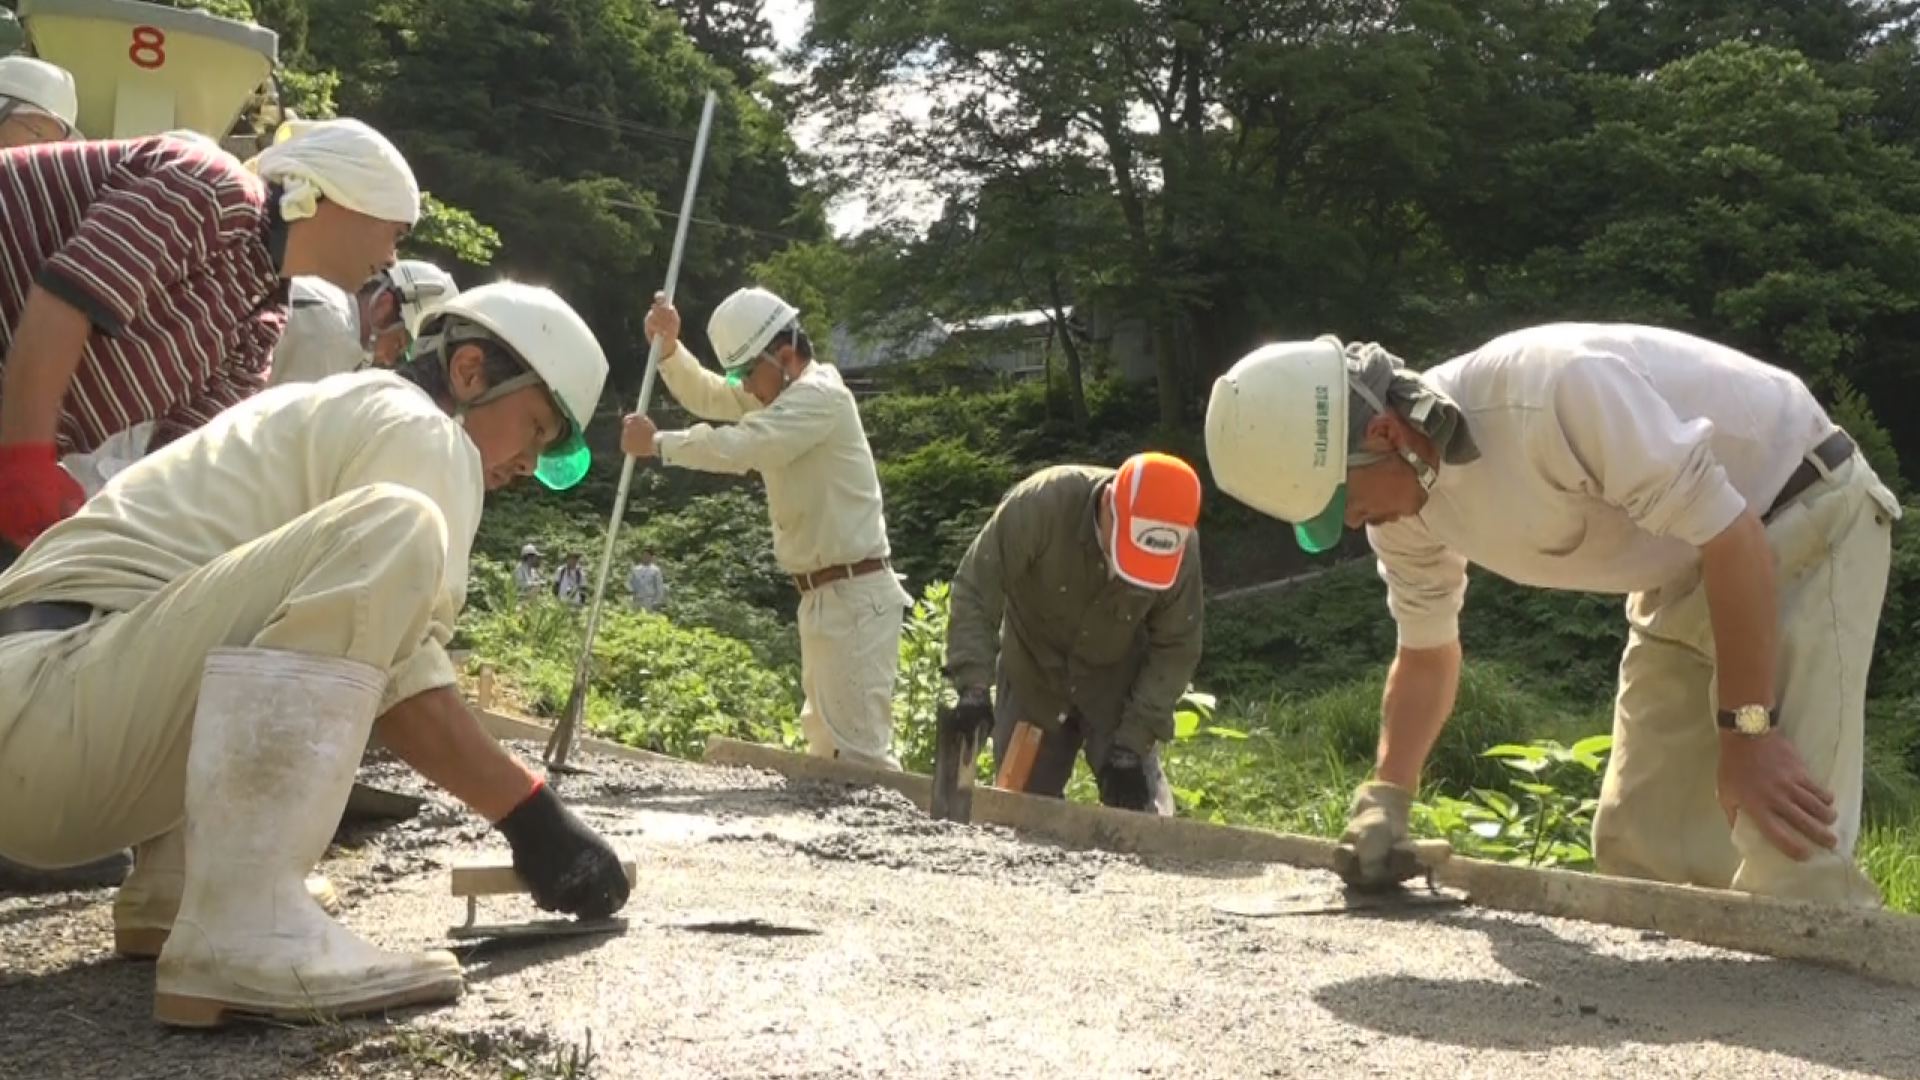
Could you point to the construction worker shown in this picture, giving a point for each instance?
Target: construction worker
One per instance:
(330, 332)
(570, 581)
(392, 303)
(526, 574)
(193, 663)
(795, 423)
(145, 282)
(38, 103)
(1751, 539)
(646, 584)
(1081, 602)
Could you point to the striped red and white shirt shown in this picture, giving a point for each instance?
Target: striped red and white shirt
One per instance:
(165, 245)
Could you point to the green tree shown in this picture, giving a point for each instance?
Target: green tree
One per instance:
(1733, 193)
(567, 126)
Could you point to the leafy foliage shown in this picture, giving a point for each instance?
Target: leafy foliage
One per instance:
(453, 230)
(938, 497)
(1546, 821)
(922, 689)
(655, 684)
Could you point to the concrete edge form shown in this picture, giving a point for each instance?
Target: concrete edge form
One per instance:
(1875, 943)
(501, 726)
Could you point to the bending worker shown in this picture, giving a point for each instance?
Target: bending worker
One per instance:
(1751, 538)
(796, 424)
(145, 281)
(225, 624)
(329, 332)
(1081, 602)
(38, 103)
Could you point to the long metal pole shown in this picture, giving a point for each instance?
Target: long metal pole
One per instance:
(560, 744)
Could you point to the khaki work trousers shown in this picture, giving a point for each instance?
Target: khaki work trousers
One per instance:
(1659, 815)
(95, 722)
(849, 659)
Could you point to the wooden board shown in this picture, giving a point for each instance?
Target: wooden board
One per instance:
(502, 726)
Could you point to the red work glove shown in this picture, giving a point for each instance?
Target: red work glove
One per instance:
(35, 492)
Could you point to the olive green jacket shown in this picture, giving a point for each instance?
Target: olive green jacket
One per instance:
(1035, 593)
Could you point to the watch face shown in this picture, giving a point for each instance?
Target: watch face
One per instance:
(1752, 721)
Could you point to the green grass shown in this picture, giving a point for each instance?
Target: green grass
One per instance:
(1891, 856)
(1301, 757)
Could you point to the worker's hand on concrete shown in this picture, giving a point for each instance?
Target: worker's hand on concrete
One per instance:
(1122, 780)
(664, 321)
(1765, 779)
(637, 436)
(35, 492)
(566, 865)
(1375, 850)
(975, 710)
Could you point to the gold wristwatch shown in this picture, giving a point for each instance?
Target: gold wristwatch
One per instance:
(1750, 720)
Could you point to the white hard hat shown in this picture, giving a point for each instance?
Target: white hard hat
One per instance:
(743, 324)
(529, 549)
(46, 87)
(420, 287)
(1277, 436)
(554, 342)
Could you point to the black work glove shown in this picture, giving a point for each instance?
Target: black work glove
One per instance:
(974, 713)
(1123, 781)
(566, 865)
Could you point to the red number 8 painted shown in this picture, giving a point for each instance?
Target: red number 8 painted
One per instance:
(149, 48)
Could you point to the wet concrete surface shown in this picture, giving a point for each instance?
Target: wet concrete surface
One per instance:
(825, 932)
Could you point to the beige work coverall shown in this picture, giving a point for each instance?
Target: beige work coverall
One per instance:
(1610, 454)
(823, 495)
(333, 519)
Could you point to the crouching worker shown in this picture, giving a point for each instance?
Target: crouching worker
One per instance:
(1081, 600)
(192, 664)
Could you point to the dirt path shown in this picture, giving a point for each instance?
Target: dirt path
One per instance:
(894, 946)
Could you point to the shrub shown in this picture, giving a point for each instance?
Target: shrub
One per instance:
(922, 688)
(938, 497)
(654, 684)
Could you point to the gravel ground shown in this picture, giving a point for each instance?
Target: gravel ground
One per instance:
(823, 932)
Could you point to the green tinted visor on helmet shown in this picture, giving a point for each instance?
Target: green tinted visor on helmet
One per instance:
(565, 463)
(738, 376)
(1322, 532)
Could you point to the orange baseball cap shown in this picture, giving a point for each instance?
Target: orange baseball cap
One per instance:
(1156, 503)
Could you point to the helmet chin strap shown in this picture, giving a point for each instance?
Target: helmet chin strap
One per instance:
(1424, 473)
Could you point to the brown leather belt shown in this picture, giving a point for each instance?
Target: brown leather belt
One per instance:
(1832, 452)
(43, 615)
(831, 574)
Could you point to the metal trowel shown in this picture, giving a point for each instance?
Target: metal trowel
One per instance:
(473, 882)
(956, 752)
(1422, 857)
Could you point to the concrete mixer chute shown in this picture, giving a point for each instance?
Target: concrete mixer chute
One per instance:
(143, 68)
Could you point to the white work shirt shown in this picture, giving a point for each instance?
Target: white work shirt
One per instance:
(648, 585)
(570, 584)
(823, 493)
(1608, 455)
(527, 577)
(322, 336)
(253, 469)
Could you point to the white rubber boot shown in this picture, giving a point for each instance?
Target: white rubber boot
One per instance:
(276, 739)
(148, 900)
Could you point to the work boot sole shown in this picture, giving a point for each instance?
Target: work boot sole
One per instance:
(183, 1010)
(145, 942)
